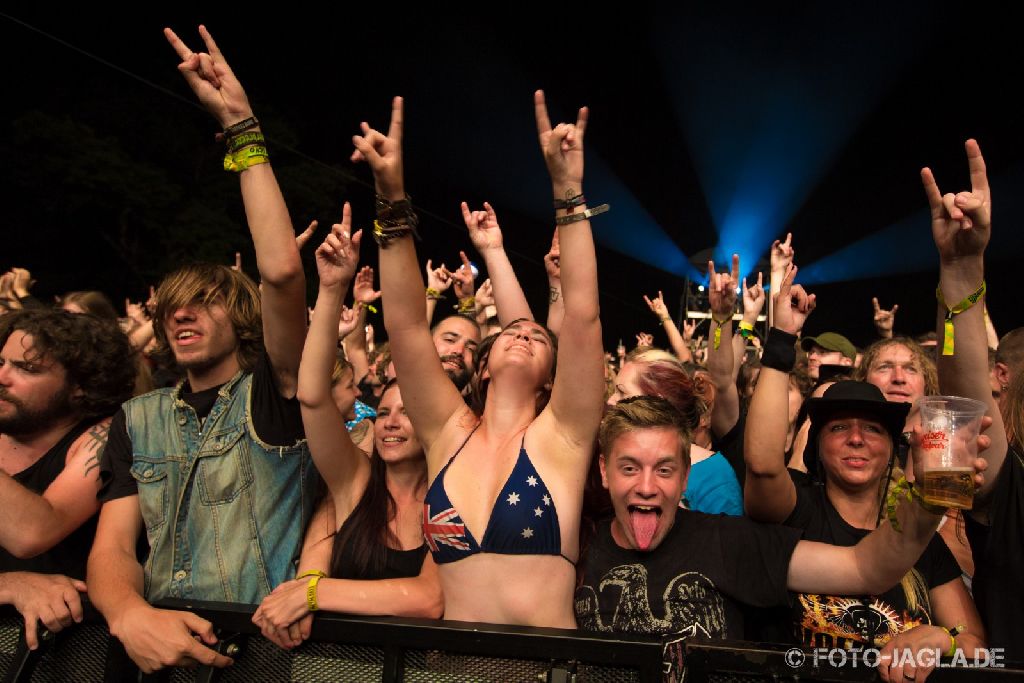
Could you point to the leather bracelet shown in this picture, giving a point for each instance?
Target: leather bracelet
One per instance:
(582, 216)
(241, 126)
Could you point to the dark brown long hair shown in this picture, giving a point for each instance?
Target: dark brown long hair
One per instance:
(94, 353)
(363, 540)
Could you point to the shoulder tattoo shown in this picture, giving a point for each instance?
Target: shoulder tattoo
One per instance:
(96, 439)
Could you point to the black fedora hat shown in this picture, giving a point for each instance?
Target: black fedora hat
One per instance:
(857, 398)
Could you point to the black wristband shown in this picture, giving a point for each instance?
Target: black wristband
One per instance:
(779, 351)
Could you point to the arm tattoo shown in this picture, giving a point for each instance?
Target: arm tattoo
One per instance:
(97, 440)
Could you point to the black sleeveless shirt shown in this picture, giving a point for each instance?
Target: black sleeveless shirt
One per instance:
(69, 556)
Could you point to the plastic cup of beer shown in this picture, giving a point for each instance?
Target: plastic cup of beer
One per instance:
(949, 444)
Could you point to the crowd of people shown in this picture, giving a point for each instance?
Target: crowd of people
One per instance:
(223, 442)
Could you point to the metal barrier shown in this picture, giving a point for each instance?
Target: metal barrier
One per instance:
(352, 648)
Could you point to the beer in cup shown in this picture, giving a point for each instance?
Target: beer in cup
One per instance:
(949, 445)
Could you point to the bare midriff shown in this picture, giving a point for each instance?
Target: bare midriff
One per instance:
(526, 590)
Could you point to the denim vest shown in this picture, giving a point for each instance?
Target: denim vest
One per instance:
(224, 511)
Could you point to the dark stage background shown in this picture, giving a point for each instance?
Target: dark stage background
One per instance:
(710, 130)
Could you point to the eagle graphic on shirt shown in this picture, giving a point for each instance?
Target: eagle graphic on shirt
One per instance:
(693, 606)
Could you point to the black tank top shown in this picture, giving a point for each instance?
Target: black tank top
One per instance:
(69, 556)
(398, 564)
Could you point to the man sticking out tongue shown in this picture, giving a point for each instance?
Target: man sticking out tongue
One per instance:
(658, 569)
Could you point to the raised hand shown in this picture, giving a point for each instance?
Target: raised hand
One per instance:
(722, 289)
(689, 327)
(303, 237)
(644, 339)
(884, 320)
(211, 79)
(362, 287)
(438, 279)
(348, 321)
(337, 257)
(552, 265)
(782, 254)
(961, 223)
(658, 307)
(485, 295)
(463, 277)
(562, 146)
(753, 299)
(384, 154)
(135, 312)
(484, 231)
(22, 282)
(7, 285)
(792, 304)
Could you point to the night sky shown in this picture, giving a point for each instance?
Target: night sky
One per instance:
(710, 131)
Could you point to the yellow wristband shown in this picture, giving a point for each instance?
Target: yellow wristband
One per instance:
(312, 572)
(311, 593)
(241, 159)
(952, 633)
(904, 490)
(947, 325)
(717, 341)
(370, 307)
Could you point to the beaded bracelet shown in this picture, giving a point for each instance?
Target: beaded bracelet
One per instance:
(905, 490)
(467, 304)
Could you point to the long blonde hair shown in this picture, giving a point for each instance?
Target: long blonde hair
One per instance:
(1013, 410)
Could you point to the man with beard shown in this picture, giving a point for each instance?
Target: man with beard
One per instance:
(456, 339)
(61, 378)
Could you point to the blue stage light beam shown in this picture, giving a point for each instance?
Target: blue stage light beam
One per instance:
(763, 121)
(907, 246)
(628, 228)
(511, 174)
